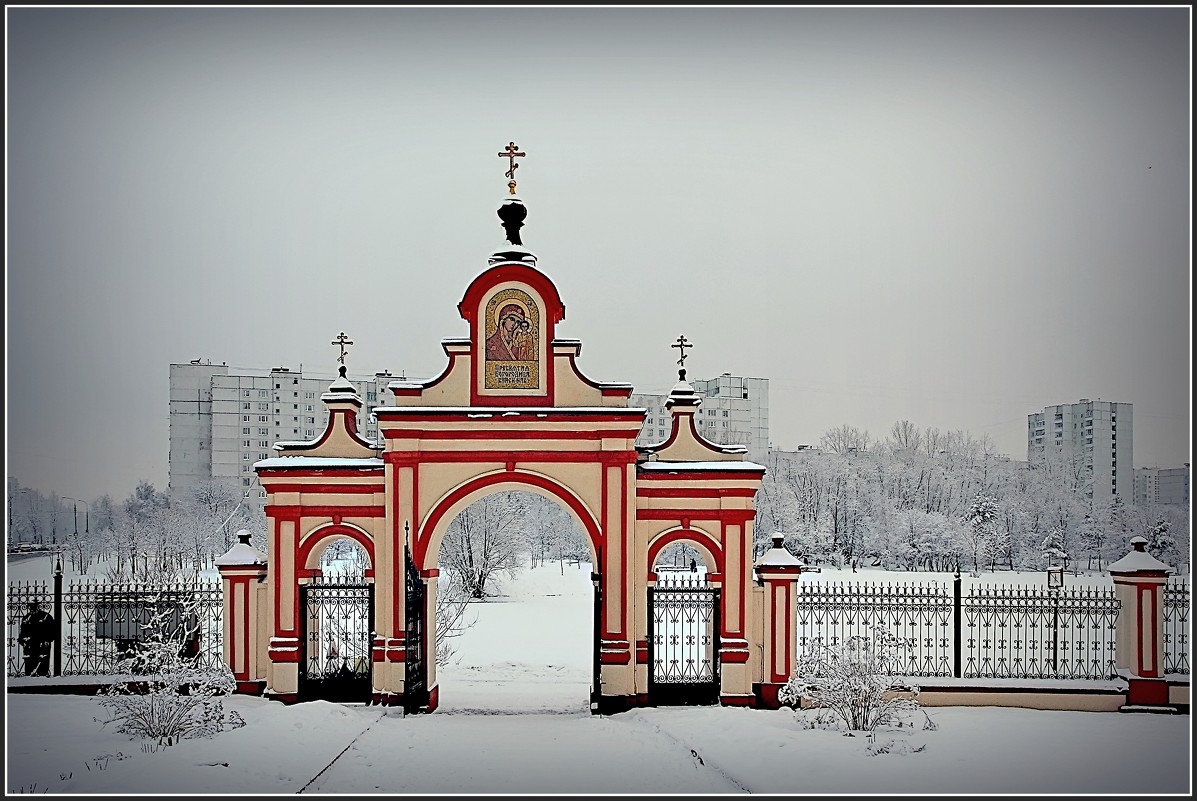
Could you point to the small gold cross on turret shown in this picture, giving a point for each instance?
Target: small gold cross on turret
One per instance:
(511, 153)
(342, 341)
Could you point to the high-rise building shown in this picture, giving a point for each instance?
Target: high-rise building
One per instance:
(1162, 486)
(734, 411)
(1094, 435)
(224, 419)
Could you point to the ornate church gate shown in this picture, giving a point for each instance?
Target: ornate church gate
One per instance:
(336, 662)
(512, 411)
(416, 676)
(683, 640)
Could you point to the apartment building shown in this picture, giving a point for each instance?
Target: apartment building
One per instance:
(1095, 435)
(224, 419)
(734, 411)
(1162, 486)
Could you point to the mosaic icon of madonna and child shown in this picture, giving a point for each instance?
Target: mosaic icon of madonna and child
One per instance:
(512, 341)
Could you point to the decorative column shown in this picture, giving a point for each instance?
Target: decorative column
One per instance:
(777, 571)
(1139, 649)
(243, 573)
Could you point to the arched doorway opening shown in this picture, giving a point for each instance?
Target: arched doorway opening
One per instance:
(515, 589)
(337, 603)
(683, 599)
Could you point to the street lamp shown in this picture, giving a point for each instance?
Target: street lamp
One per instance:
(10, 497)
(86, 515)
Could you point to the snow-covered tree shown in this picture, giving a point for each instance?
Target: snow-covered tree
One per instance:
(1162, 545)
(980, 530)
(1052, 548)
(486, 540)
(169, 694)
(858, 680)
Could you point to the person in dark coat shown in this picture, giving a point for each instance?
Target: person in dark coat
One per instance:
(36, 636)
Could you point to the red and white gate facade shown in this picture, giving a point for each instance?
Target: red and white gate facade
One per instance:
(511, 411)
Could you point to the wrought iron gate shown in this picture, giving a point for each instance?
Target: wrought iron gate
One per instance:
(683, 640)
(596, 687)
(338, 632)
(415, 682)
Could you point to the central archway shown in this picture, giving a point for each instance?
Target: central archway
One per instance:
(508, 622)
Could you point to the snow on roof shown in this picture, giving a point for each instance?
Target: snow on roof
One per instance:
(1140, 561)
(242, 553)
(364, 463)
(778, 557)
(676, 466)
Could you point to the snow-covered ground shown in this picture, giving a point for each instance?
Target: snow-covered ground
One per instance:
(514, 718)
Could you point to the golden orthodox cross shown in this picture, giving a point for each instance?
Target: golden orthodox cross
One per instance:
(342, 341)
(511, 153)
(681, 345)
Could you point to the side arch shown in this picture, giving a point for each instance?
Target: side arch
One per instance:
(704, 543)
(311, 547)
(447, 507)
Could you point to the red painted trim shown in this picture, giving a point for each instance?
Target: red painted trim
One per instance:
(431, 572)
(606, 391)
(345, 489)
(723, 515)
(552, 414)
(423, 534)
(700, 538)
(733, 656)
(1152, 602)
(348, 424)
(511, 433)
(319, 535)
(624, 535)
(305, 510)
(737, 700)
(517, 273)
(269, 473)
(695, 492)
(501, 457)
(609, 658)
(402, 392)
(397, 565)
(284, 656)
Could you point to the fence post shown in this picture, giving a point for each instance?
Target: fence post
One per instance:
(778, 571)
(58, 616)
(242, 571)
(956, 616)
(1139, 650)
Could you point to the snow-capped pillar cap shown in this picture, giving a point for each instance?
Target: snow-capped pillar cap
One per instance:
(683, 394)
(341, 385)
(778, 560)
(241, 554)
(1139, 561)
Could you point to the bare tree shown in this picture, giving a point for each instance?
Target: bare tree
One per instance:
(486, 539)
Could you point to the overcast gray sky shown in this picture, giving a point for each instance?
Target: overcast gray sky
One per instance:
(950, 216)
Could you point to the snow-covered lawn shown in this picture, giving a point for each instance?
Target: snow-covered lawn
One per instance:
(514, 718)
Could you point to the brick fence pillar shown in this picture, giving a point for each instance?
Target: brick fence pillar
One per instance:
(243, 571)
(777, 571)
(1139, 579)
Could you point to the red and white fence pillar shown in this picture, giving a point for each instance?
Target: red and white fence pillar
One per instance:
(1139, 580)
(777, 571)
(243, 571)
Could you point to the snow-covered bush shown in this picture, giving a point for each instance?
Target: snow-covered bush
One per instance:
(857, 681)
(165, 694)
